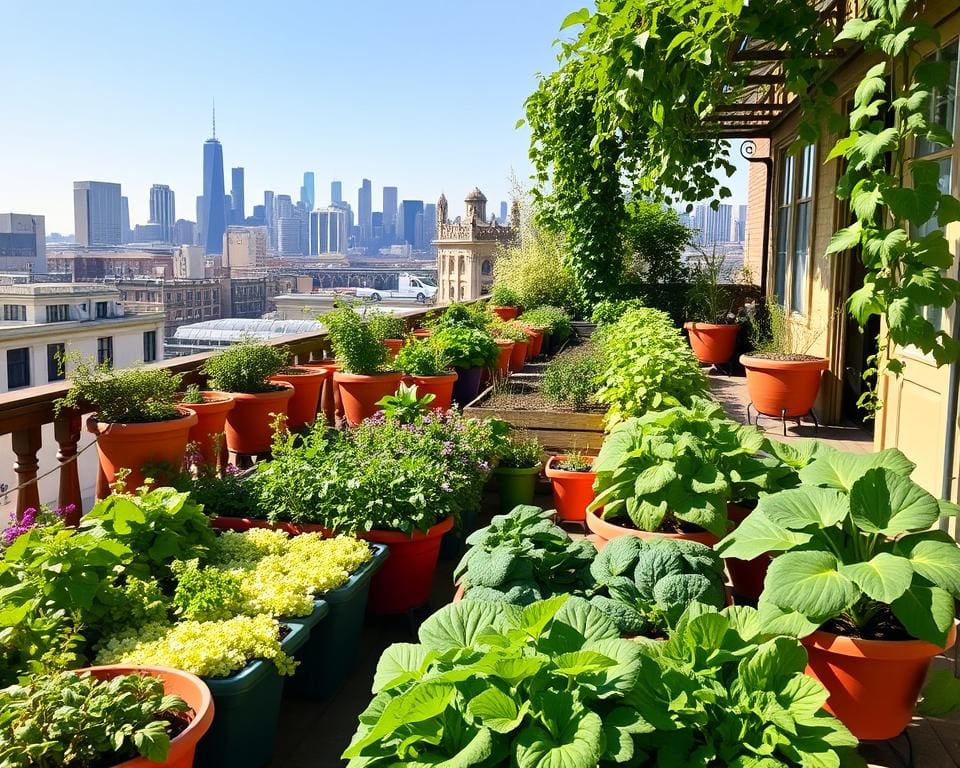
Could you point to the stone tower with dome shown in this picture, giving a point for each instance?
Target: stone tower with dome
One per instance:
(467, 248)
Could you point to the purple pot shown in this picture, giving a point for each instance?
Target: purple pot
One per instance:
(467, 386)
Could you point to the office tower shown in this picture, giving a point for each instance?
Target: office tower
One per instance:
(163, 210)
(23, 243)
(739, 233)
(390, 212)
(503, 212)
(328, 231)
(429, 225)
(184, 232)
(288, 235)
(97, 214)
(376, 226)
(124, 219)
(409, 211)
(151, 232)
(245, 247)
(258, 218)
(336, 191)
(308, 193)
(365, 209)
(214, 194)
(269, 213)
(236, 196)
(283, 205)
(714, 225)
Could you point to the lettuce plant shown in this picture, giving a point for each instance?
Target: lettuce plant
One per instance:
(857, 547)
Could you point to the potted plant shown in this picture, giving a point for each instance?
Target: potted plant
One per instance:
(244, 370)
(390, 329)
(572, 378)
(571, 476)
(307, 381)
(782, 379)
(361, 379)
(520, 336)
(207, 435)
(556, 322)
(864, 578)
(519, 461)
(469, 350)
(137, 420)
(427, 366)
(504, 352)
(537, 327)
(714, 326)
(132, 717)
(504, 302)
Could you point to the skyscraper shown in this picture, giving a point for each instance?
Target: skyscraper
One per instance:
(429, 226)
(365, 210)
(163, 210)
(97, 213)
(308, 193)
(336, 191)
(214, 218)
(503, 212)
(714, 225)
(328, 231)
(124, 219)
(270, 219)
(390, 212)
(411, 212)
(238, 206)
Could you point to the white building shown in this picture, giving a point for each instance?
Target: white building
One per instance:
(328, 231)
(245, 247)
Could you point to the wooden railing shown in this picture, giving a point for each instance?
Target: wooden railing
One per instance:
(24, 413)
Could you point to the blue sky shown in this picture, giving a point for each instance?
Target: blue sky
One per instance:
(423, 95)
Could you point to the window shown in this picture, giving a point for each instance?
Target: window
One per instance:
(794, 225)
(18, 367)
(149, 346)
(14, 311)
(105, 350)
(57, 313)
(101, 310)
(55, 353)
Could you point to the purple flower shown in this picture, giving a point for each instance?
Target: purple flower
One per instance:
(231, 469)
(447, 447)
(445, 487)
(63, 512)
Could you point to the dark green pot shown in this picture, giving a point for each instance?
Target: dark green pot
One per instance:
(516, 486)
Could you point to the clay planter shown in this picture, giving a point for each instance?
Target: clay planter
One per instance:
(516, 485)
(307, 383)
(783, 388)
(439, 386)
(406, 578)
(873, 684)
(329, 392)
(605, 531)
(134, 446)
(572, 491)
(506, 313)
(359, 394)
(211, 418)
(518, 355)
(393, 346)
(535, 343)
(249, 425)
(467, 386)
(422, 333)
(503, 360)
(747, 576)
(188, 687)
(713, 344)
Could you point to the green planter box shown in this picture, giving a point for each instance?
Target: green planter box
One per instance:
(331, 652)
(247, 710)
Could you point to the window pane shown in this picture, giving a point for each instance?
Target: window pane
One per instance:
(806, 171)
(780, 265)
(800, 257)
(18, 368)
(54, 352)
(786, 179)
(942, 106)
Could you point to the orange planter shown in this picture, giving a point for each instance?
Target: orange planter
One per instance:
(518, 355)
(441, 387)
(405, 580)
(785, 388)
(712, 343)
(747, 576)
(329, 392)
(249, 425)
(359, 394)
(873, 684)
(606, 531)
(422, 333)
(303, 406)
(535, 343)
(503, 359)
(393, 346)
(572, 491)
(188, 687)
(211, 418)
(135, 446)
(506, 313)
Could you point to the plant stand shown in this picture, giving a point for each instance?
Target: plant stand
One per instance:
(783, 418)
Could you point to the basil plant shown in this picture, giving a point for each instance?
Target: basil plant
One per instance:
(857, 546)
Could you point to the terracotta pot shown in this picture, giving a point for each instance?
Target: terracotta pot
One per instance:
(188, 687)
(329, 392)
(359, 394)
(785, 388)
(506, 313)
(467, 386)
(712, 343)
(606, 530)
(242, 524)
(422, 333)
(535, 343)
(440, 386)
(393, 346)
(211, 418)
(873, 684)
(572, 491)
(250, 424)
(406, 578)
(134, 446)
(503, 360)
(303, 406)
(518, 355)
(747, 576)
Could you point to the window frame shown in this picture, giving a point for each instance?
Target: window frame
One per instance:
(105, 351)
(25, 365)
(793, 191)
(58, 313)
(53, 367)
(149, 345)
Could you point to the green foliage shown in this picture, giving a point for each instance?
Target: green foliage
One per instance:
(504, 296)
(225, 495)
(858, 545)
(519, 450)
(609, 311)
(536, 271)
(555, 320)
(405, 406)
(509, 329)
(467, 347)
(355, 345)
(67, 720)
(572, 377)
(386, 325)
(574, 461)
(683, 465)
(192, 395)
(206, 594)
(708, 300)
(422, 357)
(245, 367)
(648, 365)
(131, 396)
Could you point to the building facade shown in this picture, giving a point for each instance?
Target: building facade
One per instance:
(411, 222)
(365, 210)
(328, 231)
(97, 216)
(23, 243)
(93, 264)
(237, 205)
(213, 219)
(245, 247)
(389, 212)
(163, 210)
(178, 301)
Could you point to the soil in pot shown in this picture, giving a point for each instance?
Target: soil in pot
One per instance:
(249, 426)
(441, 387)
(572, 490)
(307, 383)
(516, 485)
(712, 343)
(785, 385)
(211, 420)
(672, 528)
(359, 394)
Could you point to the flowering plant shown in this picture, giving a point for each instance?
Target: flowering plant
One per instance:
(33, 518)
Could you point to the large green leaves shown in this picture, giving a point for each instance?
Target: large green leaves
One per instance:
(927, 613)
(456, 627)
(577, 743)
(810, 583)
(884, 578)
(890, 504)
(840, 469)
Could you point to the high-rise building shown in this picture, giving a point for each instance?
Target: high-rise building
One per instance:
(124, 219)
(714, 225)
(308, 192)
(411, 214)
(288, 235)
(184, 232)
(336, 191)
(245, 247)
(163, 210)
(97, 213)
(238, 207)
(328, 231)
(429, 226)
(503, 212)
(258, 218)
(270, 214)
(739, 234)
(214, 195)
(390, 212)
(365, 210)
(23, 243)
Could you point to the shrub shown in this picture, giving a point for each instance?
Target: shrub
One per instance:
(192, 395)
(355, 345)
(509, 329)
(520, 450)
(385, 325)
(536, 271)
(610, 310)
(462, 316)
(504, 296)
(245, 367)
(573, 377)
(422, 357)
(554, 319)
(467, 347)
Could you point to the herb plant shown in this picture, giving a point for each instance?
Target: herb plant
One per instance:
(774, 336)
(462, 316)
(355, 345)
(385, 325)
(192, 395)
(708, 300)
(245, 367)
(422, 357)
(504, 296)
(519, 450)
(405, 405)
(572, 377)
(609, 311)
(574, 461)
(509, 329)
(554, 319)
(467, 347)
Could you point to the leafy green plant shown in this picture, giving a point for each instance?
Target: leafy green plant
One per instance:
(575, 461)
(519, 450)
(405, 405)
(510, 330)
(131, 396)
(245, 367)
(206, 594)
(69, 720)
(356, 347)
(858, 553)
(422, 357)
(554, 319)
(220, 495)
(536, 269)
(708, 300)
(609, 311)
(192, 395)
(572, 377)
(462, 316)
(774, 336)
(467, 347)
(385, 325)
(504, 296)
